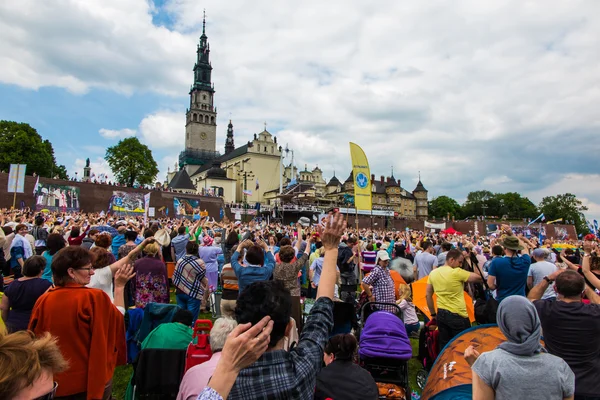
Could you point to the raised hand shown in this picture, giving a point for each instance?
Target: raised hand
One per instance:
(123, 275)
(331, 234)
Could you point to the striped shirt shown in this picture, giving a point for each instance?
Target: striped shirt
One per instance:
(369, 258)
(188, 275)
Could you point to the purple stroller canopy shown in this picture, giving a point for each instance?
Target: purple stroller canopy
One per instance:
(384, 335)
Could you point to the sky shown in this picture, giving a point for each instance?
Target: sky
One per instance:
(495, 95)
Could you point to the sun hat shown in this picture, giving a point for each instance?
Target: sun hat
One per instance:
(511, 243)
(382, 255)
(162, 237)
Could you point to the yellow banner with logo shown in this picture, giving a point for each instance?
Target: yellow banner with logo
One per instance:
(362, 178)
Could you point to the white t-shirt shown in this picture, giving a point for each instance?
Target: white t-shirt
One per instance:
(103, 280)
(538, 271)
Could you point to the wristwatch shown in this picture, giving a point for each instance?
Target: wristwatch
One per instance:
(550, 281)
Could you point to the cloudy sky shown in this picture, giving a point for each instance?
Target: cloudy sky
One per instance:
(497, 95)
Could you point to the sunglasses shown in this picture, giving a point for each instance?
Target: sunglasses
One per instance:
(50, 395)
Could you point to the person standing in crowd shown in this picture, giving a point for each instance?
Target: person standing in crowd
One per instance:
(368, 259)
(445, 248)
(379, 284)
(118, 240)
(179, 243)
(425, 261)
(508, 275)
(88, 241)
(358, 384)
(540, 269)
(151, 281)
(104, 241)
(209, 254)
(197, 377)
(259, 263)
(281, 374)
(76, 236)
(518, 368)
(447, 282)
(20, 250)
(190, 281)
(28, 366)
(230, 292)
(20, 296)
(287, 272)
(89, 328)
(54, 243)
(40, 234)
(572, 327)
(348, 257)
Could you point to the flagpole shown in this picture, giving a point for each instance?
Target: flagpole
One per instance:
(15, 188)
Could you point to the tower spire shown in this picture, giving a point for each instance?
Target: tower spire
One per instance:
(204, 22)
(229, 146)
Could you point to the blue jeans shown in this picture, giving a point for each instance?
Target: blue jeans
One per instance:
(189, 303)
(410, 328)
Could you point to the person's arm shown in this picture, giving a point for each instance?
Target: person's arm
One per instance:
(244, 345)
(537, 291)
(591, 277)
(491, 281)
(330, 237)
(481, 391)
(4, 308)
(122, 276)
(130, 256)
(530, 281)
(474, 278)
(429, 296)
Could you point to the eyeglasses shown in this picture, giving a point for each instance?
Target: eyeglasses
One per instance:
(50, 395)
(84, 269)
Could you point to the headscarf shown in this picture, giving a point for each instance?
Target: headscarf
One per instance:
(207, 240)
(519, 321)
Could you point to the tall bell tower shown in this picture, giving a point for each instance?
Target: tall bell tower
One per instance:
(201, 117)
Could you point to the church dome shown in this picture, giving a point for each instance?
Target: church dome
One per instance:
(216, 171)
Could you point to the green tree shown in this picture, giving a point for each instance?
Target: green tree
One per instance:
(20, 143)
(515, 206)
(565, 206)
(478, 203)
(131, 162)
(441, 206)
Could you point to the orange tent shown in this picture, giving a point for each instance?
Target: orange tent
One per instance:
(420, 299)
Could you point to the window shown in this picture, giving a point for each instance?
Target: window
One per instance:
(272, 149)
(203, 97)
(195, 118)
(212, 120)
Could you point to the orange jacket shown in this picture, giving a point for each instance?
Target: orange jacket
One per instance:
(91, 336)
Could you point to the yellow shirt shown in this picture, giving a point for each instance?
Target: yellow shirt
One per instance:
(448, 285)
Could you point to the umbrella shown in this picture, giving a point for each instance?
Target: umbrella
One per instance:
(420, 299)
(105, 228)
(451, 231)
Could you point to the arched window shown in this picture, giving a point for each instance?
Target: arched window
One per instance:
(205, 119)
(212, 120)
(195, 118)
(272, 149)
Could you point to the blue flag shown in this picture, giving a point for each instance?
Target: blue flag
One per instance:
(221, 213)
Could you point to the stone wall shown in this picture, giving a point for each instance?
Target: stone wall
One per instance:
(95, 197)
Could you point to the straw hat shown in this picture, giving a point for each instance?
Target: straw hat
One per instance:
(162, 237)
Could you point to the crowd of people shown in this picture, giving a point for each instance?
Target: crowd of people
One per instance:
(71, 280)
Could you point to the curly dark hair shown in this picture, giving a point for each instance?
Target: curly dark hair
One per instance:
(286, 254)
(103, 240)
(265, 298)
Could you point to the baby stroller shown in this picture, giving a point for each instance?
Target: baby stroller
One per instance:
(428, 350)
(384, 351)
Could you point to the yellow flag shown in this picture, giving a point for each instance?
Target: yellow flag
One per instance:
(556, 220)
(362, 178)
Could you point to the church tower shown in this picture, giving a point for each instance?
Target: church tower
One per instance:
(229, 147)
(201, 117)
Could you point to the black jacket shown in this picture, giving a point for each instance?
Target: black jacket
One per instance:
(344, 380)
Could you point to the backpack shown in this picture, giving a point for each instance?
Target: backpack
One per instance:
(199, 350)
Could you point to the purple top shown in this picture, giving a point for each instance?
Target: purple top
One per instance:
(384, 335)
(151, 281)
(209, 255)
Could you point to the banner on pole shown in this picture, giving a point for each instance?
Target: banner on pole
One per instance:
(16, 178)
(362, 178)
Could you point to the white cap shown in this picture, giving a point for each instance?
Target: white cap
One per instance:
(382, 255)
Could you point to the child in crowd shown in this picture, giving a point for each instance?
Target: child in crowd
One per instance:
(411, 321)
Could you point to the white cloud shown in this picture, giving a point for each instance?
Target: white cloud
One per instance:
(163, 129)
(116, 134)
(470, 93)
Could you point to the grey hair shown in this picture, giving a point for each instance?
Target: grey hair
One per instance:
(218, 334)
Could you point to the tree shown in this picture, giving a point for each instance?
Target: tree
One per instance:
(515, 206)
(441, 206)
(476, 201)
(22, 144)
(565, 206)
(131, 162)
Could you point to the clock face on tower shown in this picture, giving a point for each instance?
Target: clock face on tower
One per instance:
(203, 135)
